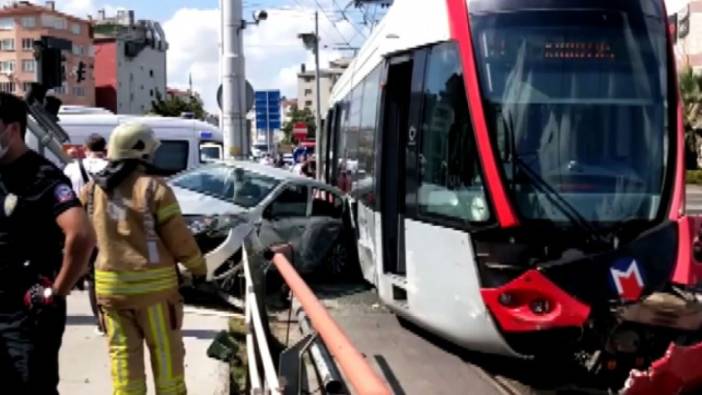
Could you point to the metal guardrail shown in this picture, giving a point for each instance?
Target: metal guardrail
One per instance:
(317, 324)
(257, 348)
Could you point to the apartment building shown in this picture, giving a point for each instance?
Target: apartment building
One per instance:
(130, 62)
(307, 85)
(21, 23)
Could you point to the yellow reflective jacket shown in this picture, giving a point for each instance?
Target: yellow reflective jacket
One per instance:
(141, 234)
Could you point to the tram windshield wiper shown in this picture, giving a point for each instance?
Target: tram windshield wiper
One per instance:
(537, 181)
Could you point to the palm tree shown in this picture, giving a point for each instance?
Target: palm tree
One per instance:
(691, 93)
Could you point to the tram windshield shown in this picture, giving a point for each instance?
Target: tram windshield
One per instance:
(578, 99)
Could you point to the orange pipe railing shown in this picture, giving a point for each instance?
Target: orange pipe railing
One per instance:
(356, 369)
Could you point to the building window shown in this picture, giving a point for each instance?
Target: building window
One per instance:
(60, 90)
(308, 103)
(7, 66)
(28, 21)
(7, 44)
(308, 92)
(7, 23)
(75, 28)
(151, 73)
(28, 65)
(55, 22)
(7, 87)
(151, 92)
(26, 85)
(77, 50)
(27, 44)
(78, 91)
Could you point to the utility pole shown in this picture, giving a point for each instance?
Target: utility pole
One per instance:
(318, 114)
(233, 86)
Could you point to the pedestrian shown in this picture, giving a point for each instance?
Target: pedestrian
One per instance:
(80, 172)
(141, 236)
(45, 241)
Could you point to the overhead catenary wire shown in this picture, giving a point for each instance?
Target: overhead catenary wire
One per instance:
(343, 15)
(299, 3)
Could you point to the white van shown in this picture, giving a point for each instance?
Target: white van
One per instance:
(185, 143)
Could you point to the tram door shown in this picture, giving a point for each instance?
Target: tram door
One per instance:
(395, 123)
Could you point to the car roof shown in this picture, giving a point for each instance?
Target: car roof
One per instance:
(273, 172)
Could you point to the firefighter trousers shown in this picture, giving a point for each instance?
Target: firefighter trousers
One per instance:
(159, 325)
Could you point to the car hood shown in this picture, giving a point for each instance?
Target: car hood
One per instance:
(194, 203)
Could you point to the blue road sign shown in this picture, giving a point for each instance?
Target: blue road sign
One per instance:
(267, 105)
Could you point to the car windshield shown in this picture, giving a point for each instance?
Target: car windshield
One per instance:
(233, 184)
(580, 99)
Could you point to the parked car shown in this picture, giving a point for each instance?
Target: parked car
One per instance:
(225, 200)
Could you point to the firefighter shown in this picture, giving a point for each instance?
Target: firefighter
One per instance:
(141, 235)
(45, 241)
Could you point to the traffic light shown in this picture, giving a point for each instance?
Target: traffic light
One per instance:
(80, 73)
(51, 69)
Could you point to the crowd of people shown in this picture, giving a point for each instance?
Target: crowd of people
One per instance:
(303, 161)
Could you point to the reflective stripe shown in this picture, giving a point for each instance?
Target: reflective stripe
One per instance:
(134, 275)
(162, 353)
(135, 289)
(134, 283)
(118, 351)
(148, 212)
(167, 213)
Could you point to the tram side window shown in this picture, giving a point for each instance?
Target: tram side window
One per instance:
(450, 185)
(364, 187)
(342, 176)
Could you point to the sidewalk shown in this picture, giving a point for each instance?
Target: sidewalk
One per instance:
(85, 367)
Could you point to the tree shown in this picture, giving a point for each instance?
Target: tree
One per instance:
(296, 115)
(691, 93)
(175, 106)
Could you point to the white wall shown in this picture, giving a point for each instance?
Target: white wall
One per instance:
(136, 84)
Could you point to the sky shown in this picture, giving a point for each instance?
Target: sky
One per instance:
(272, 50)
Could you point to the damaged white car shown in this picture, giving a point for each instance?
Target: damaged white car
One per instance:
(224, 201)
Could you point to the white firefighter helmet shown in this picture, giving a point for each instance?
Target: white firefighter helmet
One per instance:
(132, 141)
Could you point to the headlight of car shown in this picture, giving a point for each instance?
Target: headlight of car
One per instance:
(213, 225)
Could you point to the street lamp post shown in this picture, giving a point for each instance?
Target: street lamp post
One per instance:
(311, 41)
(233, 121)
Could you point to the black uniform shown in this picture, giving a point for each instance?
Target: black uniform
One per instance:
(33, 193)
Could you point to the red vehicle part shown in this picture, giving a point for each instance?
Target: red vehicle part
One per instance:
(532, 302)
(688, 270)
(675, 373)
(460, 32)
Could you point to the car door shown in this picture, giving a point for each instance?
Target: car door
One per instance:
(285, 218)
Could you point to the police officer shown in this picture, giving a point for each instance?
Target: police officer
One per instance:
(45, 242)
(141, 235)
